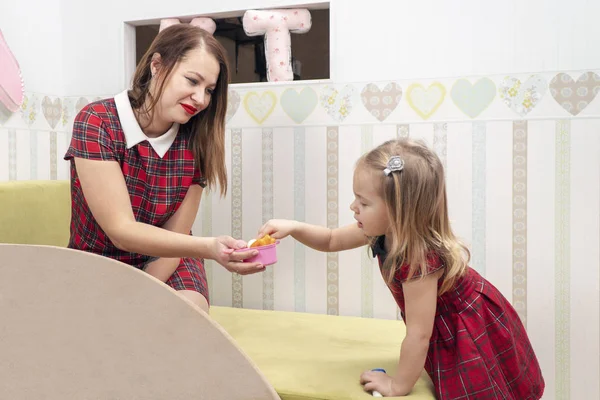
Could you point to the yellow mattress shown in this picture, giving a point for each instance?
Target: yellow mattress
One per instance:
(311, 356)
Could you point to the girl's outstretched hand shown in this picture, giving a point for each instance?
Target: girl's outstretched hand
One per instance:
(277, 228)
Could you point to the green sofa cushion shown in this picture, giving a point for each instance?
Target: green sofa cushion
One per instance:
(35, 212)
(313, 356)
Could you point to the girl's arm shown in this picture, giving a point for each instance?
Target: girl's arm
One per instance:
(317, 237)
(420, 297)
(180, 222)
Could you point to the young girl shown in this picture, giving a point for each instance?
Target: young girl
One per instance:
(458, 326)
(139, 162)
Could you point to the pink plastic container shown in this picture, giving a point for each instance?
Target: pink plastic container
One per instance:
(267, 255)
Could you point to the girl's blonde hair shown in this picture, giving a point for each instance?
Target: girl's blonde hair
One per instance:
(418, 210)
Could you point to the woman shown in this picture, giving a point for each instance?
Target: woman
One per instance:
(139, 163)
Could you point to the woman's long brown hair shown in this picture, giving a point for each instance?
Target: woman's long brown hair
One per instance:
(207, 129)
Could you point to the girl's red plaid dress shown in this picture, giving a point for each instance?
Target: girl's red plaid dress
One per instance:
(479, 348)
(157, 172)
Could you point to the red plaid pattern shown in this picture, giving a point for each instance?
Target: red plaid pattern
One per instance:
(156, 186)
(479, 348)
(190, 275)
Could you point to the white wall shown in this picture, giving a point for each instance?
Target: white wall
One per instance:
(390, 39)
(33, 31)
(439, 38)
(430, 38)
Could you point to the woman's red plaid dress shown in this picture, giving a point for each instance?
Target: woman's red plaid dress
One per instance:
(158, 173)
(479, 348)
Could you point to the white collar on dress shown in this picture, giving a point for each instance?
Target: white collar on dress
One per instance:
(133, 132)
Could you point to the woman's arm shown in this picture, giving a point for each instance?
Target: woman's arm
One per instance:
(106, 193)
(317, 237)
(180, 222)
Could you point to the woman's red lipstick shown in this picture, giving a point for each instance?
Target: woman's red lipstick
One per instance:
(189, 109)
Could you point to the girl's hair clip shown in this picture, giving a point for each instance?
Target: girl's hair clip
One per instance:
(395, 163)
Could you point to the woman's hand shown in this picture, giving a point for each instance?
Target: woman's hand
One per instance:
(223, 253)
(277, 228)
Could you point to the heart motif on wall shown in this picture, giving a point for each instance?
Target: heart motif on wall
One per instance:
(338, 104)
(29, 109)
(52, 110)
(66, 110)
(522, 97)
(574, 96)
(299, 105)
(381, 103)
(473, 99)
(259, 107)
(233, 103)
(81, 102)
(425, 102)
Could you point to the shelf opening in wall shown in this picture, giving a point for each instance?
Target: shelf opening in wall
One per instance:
(247, 60)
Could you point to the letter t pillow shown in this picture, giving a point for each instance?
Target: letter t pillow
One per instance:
(203, 22)
(276, 25)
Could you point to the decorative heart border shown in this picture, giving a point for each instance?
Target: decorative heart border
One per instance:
(554, 95)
